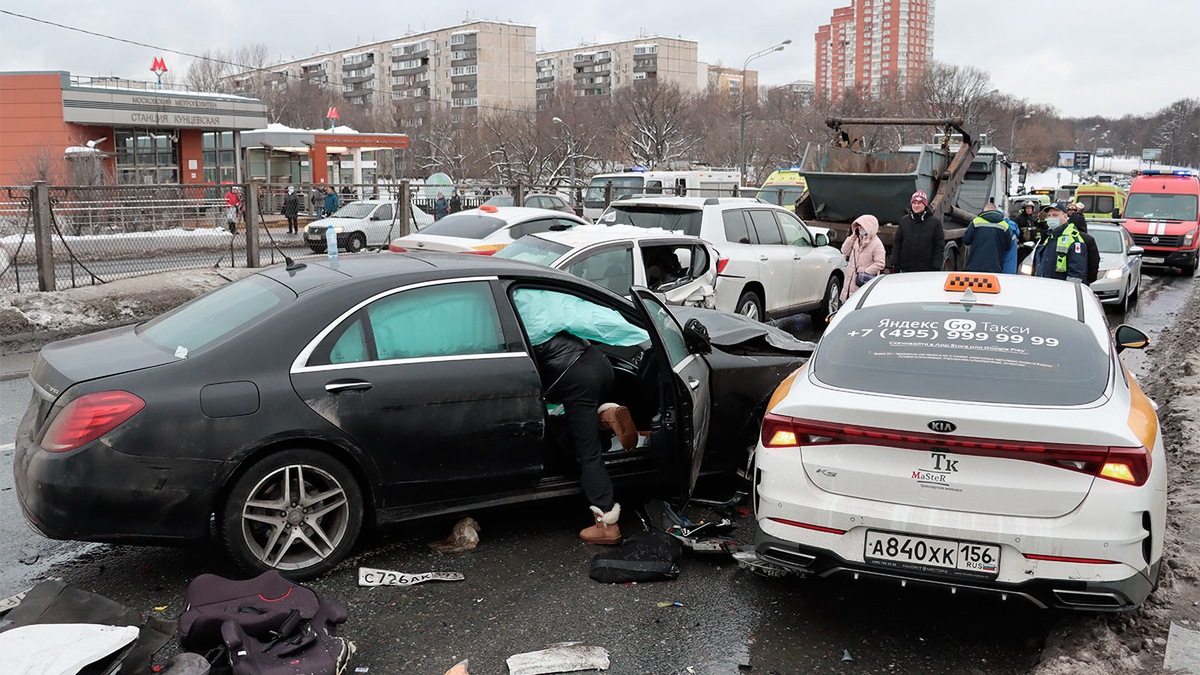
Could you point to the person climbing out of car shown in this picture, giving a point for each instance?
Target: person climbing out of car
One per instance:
(864, 253)
(1061, 252)
(920, 241)
(991, 240)
(577, 374)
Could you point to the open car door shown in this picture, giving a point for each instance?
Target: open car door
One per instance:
(685, 396)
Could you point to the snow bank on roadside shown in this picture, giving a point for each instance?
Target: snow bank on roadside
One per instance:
(118, 245)
(28, 320)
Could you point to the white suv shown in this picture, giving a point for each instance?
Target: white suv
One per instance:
(771, 264)
(362, 224)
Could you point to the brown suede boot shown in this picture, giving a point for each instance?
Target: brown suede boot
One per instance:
(605, 531)
(616, 418)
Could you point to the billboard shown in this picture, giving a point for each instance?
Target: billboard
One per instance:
(1152, 154)
(1104, 152)
(1074, 159)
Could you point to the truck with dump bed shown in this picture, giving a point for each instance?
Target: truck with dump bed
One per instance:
(959, 174)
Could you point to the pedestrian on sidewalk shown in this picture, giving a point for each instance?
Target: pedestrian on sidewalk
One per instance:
(920, 241)
(331, 201)
(990, 240)
(455, 202)
(864, 254)
(291, 210)
(440, 206)
(233, 208)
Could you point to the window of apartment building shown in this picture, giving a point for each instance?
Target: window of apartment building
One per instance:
(218, 156)
(457, 39)
(464, 70)
(468, 54)
(407, 65)
(466, 102)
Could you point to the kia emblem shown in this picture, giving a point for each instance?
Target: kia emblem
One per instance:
(942, 426)
(1153, 240)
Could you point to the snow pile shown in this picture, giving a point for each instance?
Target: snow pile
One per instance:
(29, 320)
(119, 245)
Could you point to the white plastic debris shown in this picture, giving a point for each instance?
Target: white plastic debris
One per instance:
(846, 654)
(368, 576)
(568, 657)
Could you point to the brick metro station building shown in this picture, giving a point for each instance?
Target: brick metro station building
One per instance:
(143, 133)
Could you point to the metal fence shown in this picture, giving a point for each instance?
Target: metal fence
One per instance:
(54, 237)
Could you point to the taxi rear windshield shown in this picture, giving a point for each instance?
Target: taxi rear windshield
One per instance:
(1001, 355)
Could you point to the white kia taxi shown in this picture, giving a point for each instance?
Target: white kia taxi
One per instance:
(968, 431)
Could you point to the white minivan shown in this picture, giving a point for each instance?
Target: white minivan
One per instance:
(362, 224)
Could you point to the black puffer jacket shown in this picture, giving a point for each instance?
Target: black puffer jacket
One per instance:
(919, 244)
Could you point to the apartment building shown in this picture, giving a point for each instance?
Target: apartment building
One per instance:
(731, 82)
(478, 64)
(875, 47)
(597, 70)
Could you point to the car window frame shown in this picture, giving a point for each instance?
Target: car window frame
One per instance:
(751, 236)
(778, 230)
(782, 216)
(578, 288)
(695, 245)
(300, 363)
(598, 250)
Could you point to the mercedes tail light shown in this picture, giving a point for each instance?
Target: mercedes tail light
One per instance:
(89, 417)
(1123, 465)
(721, 263)
(396, 248)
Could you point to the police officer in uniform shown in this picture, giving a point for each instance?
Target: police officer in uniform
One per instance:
(1061, 252)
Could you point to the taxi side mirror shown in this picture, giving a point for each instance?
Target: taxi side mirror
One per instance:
(1128, 337)
(1136, 250)
(821, 239)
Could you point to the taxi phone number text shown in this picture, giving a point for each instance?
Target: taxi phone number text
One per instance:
(963, 335)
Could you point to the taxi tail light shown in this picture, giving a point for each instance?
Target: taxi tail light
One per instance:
(89, 417)
(489, 251)
(1123, 465)
(721, 263)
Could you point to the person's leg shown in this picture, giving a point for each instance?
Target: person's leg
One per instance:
(581, 390)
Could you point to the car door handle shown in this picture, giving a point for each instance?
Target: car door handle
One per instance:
(763, 258)
(693, 383)
(338, 386)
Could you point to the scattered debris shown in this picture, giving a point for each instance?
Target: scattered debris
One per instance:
(65, 647)
(749, 560)
(186, 663)
(643, 556)
(459, 668)
(566, 657)
(846, 656)
(670, 604)
(1183, 651)
(12, 601)
(159, 609)
(464, 537)
(368, 576)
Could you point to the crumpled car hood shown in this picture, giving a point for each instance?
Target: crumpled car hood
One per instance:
(738, 334)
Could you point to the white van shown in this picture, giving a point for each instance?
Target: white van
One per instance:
(362, 224)
(636, 182)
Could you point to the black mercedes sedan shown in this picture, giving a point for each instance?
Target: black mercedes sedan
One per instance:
(303, 403)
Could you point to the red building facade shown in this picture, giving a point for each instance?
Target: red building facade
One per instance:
(877, 48)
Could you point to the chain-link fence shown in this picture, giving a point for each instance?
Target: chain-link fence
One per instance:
(16, 238)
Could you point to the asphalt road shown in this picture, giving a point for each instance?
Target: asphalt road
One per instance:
(527, 587)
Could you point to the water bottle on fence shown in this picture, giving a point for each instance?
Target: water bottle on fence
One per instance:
(331, 242)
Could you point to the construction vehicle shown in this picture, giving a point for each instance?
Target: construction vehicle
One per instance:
(959, 174)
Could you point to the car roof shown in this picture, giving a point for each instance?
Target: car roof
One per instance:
(687, 202)
(586, 235)
(512, 214)
(366, 265)
(1187, 185)
(1036, 293)
(1097, 225)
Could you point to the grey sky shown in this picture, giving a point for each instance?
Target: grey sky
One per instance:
(1108, 57)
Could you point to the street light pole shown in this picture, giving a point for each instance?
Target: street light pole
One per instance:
(571, 155)
(777, 48)
(1012, 138)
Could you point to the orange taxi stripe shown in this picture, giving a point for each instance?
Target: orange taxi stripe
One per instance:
(782, 390)
(1143, 421)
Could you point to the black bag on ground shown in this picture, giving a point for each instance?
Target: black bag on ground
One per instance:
(643, 556)
(260, 606)
(310, 648)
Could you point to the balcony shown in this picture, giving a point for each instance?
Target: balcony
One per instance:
(545, 77)
(458, 79)
(419, 54)
(358, 92)
(473, 92)
(358, 79)
(412, 70)
(368, 63)
(650, 66)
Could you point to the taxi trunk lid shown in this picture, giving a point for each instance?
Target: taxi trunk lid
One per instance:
(1015, 464)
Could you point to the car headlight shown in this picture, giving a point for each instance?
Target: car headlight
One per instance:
(1189, 238)
(337, 230)
(1027, 269)
(1114, 273)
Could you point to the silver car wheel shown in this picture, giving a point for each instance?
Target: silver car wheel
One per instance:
(295, 517)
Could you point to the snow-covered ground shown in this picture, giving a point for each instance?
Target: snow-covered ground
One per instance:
(1054, 177)
(118, 245)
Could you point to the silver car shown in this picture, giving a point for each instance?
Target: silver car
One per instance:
(1120, 265)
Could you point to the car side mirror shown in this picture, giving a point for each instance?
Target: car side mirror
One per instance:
(1136, 250)
(1128, 337)
(1116, 213)
(696, 336)
(821, 239)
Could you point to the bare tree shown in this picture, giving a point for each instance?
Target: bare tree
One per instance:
(653, 122)
(208, 72)
(945, 90)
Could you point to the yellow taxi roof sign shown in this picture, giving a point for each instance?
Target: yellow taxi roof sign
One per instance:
(980, 283)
